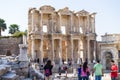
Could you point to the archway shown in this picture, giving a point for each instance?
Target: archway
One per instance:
(108, 57)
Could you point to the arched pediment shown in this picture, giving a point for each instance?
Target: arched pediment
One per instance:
(65, 11)
(83, 13)
(47, 8)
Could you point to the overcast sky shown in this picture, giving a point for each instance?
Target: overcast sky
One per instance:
(107, 18)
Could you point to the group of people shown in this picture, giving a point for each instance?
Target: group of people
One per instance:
(84, 71)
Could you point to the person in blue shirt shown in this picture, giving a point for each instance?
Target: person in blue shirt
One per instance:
(79, 72)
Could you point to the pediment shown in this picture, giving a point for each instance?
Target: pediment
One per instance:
(65, 11)
(47, 8)
(83, 12)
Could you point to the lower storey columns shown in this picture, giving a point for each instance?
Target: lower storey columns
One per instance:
(88, 51)
(41, 51)
(33, 50)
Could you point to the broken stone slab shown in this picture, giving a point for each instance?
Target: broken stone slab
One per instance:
(3, 70)
(23, 64)
(10, 76)
(27, 79)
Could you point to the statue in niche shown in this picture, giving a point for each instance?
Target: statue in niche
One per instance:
(36, 28)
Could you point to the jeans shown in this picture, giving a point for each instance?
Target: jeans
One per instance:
(85, 78)
(113, 78)
(79, 77)
(98, 77)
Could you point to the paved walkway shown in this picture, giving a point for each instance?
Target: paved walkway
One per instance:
(74, 77)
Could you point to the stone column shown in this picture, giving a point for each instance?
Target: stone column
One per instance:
(41, 50)
(78, 52)
(52, 26)
(66, 51)
(33, 49)
(88, 26)
(88, 53)
(24, 39)
(72, 50)
(94, 50)
(60, 51)
(53, 50)
(41, 22)
(78, 23)
(71, 20)
(93, 22)
(59, 23)
(33, 20)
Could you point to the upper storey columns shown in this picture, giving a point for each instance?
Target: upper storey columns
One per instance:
(41, 20)
(93, 22)
(71, 20)
(33, 18)
(60, 21)
(79, 23)
(68, 26)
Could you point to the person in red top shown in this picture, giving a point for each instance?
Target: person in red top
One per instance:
(114, 70)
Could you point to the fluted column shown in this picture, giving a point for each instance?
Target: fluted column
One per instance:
(60, 44)
(66, 51)
(41, 22)
(41, 50)
(78, 53)
(88, 26)
(72, 50)
(94, 24)
(71, 20)
(78, 23)
(94, 50)
(59, 23)
(33, 49)
(33, 28)
(88, 47)
(53, 50)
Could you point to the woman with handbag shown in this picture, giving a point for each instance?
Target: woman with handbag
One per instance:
(85, 72)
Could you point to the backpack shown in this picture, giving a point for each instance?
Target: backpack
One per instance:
(47, 72)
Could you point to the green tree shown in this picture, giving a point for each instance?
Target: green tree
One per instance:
(13, 28)
(2, 25)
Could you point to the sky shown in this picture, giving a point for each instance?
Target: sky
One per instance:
(107, 17)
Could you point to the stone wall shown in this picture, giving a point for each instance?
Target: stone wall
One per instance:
(10, 46)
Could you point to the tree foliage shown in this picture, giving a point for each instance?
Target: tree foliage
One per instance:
(2, 25)
(19, 34)
(13, 28)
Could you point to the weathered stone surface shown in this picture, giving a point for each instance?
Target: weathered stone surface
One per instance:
(61, 35)
(4, 69)
(10, 76)
(10, 45)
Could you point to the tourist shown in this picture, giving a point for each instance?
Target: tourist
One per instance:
(79, 73)
(69, 62)
(114, 70)
(65, 68)
(98, 70)
(85, 71)
(48, 70)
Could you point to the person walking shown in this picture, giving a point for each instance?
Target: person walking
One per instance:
(85, 71)
(114, 70)
(79, 72)
(48, 70)
(98, 71)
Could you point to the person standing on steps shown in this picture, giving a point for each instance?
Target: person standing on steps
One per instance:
(85, 71)
(98, 71)
(114, 71)
(48, 70)
(79, 72)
